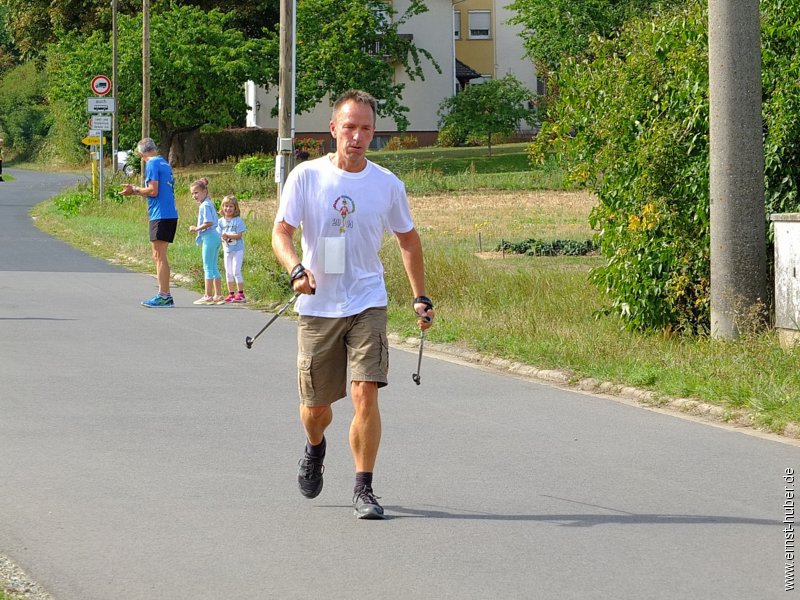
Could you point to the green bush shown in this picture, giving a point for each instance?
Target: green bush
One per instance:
(642, 144)
(25, 119)
(534, 247)
(257, 166)
(780, 65)
(70, 204)
(451, 136)
(633, 124)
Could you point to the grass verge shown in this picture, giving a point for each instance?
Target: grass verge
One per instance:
(536, 310)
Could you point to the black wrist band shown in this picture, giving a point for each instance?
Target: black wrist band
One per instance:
(298, 272)
(424, 300)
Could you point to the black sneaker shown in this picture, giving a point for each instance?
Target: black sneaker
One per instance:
(309, 478)
(365, 503)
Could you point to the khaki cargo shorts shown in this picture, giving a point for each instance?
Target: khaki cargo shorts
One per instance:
(328, 346)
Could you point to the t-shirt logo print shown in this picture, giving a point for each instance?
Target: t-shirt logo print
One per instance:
(345, 206)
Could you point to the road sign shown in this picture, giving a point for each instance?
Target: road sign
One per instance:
(94, 133)
(93, 140)
(102, 122)
(101, 85)
(100, 105)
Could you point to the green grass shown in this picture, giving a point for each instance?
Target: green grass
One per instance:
(508, 158)
(436, 170)
(538, 311)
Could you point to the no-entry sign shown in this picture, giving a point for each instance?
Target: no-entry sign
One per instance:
(101, 85)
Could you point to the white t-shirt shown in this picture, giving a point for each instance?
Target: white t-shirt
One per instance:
(328, 202)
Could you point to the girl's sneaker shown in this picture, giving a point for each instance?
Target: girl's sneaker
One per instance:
(204, 300)
(231, 297)
(217, 300)
(239, 298)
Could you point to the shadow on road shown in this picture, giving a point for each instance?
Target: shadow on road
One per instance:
(576, 520)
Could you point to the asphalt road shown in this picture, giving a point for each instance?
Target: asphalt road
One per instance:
(147, 454)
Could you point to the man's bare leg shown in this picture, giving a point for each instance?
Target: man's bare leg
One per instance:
(315, 421)
(365, 429)
(161, 260)
(365, 438)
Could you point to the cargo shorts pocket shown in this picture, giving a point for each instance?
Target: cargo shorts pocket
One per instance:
(384, 353)
(305, 382)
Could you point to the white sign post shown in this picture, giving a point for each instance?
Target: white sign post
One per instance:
(101, 189)
(100, 122)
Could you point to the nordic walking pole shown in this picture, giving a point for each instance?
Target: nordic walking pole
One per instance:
(415, 376)
(248, 341)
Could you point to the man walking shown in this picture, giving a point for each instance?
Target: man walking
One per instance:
(163, 213)
(344, 204)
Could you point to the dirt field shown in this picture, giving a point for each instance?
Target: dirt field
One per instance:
(489, 215)
(508, 215)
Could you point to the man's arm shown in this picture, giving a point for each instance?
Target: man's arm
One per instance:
(132, 190)
(411, 252)
(283, 247)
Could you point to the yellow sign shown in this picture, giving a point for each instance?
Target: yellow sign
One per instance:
(93, 141)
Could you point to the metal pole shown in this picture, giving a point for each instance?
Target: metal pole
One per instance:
(294, 71)
(100, 194)
(738, 225)
(285, 156)
(145, 72)
(114, 70)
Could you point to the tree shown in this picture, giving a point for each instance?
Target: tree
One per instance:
(556, 29)
(632, 123)
(34, 24)
(343, 44)
(198, 67)
(24, 118)
(7, 51)
(496, 106)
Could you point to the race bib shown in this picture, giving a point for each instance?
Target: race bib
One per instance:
(333, 255)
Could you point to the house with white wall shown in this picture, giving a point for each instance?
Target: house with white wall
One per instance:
(470, 40)
(422, 97)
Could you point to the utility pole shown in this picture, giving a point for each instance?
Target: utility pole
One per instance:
(738, 224)
(284, 161)
(114, 71)
(145, 72)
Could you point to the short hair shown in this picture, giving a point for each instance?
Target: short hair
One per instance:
(231, 199)
(359, 96)
(146, 145)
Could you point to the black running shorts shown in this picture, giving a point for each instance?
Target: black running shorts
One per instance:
(163, 230)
